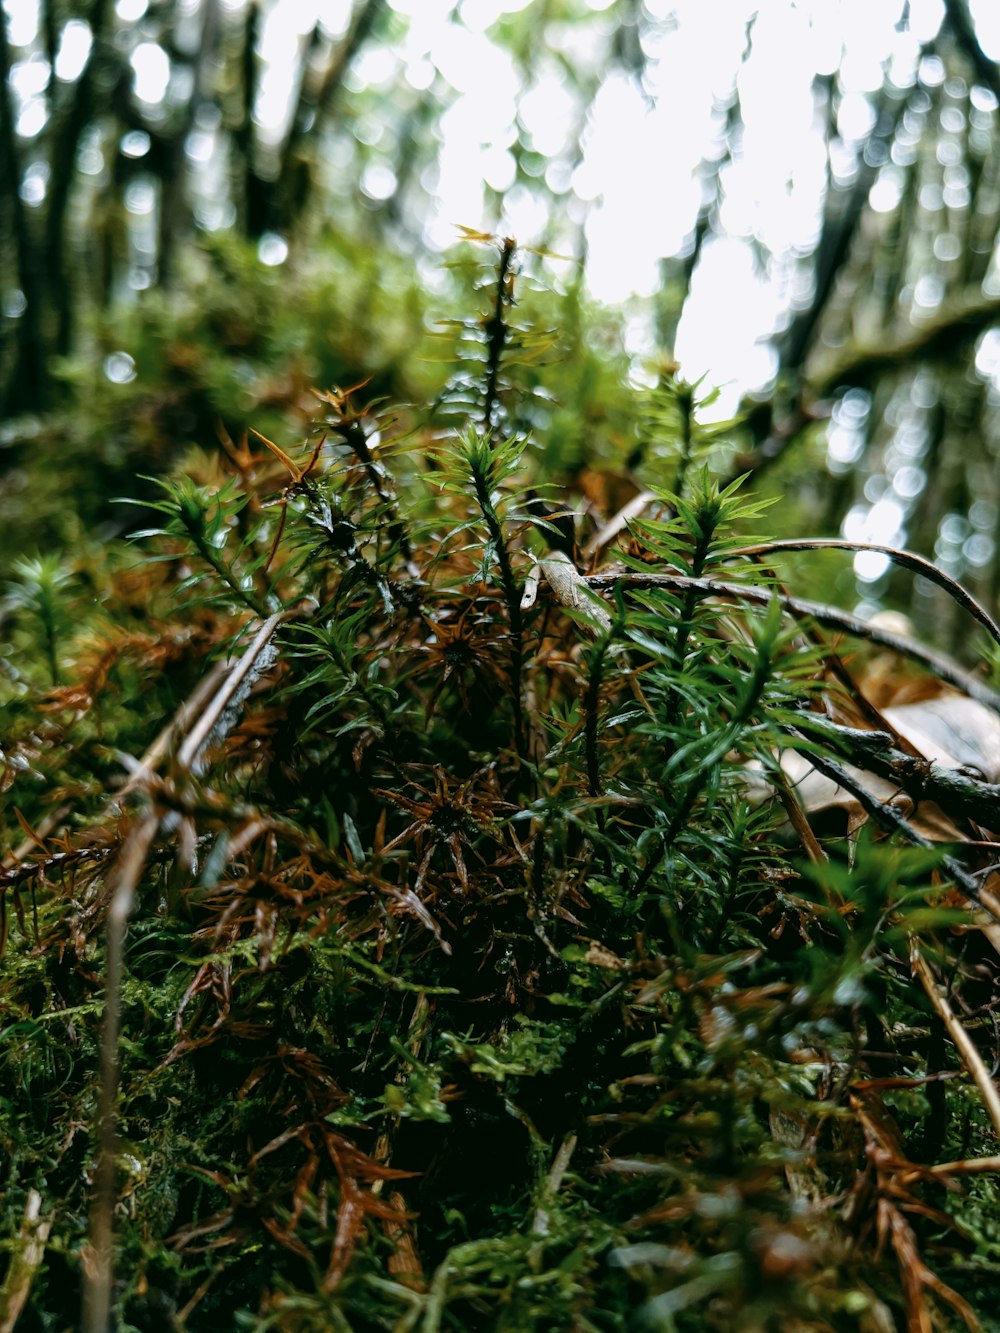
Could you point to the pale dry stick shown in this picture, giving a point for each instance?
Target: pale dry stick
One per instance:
(25, 1260)
(969, 1166)
(554, 1180)
(916, 564)
(966, 1166)
(570, 590)
(606, 534)
(990, 901)
(178, 724)
(963, 1042)
(98, 1257)
(227, 691)
(218, 686)
(142, 770)
(99, 1253)
(245, 837)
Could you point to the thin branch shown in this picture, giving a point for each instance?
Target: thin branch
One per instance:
(916, 564)
(831, 617)
(98, 1258)
(968, 1166)
(970, 1057)
(131, 861)
(143, 771)
(228, 693)
(798, 819)
(27, 1253)
(922, 779)
(553, 1182)
(891, 821)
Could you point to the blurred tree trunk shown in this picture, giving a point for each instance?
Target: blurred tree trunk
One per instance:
(69, 122)
(26, 383)
(175, 207)
(298, 168)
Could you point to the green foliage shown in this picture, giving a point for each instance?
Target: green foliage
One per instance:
(466, 984)
(39, 590)
(208, 522)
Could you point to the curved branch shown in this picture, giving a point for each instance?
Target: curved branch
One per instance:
(961, 321)
(916, 564)
(891, 821)
(831, 617)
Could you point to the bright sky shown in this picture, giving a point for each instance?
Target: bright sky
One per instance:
(636, 188)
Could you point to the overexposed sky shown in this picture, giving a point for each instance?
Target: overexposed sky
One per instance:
(636, 189)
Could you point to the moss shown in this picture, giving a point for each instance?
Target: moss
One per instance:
(464, 987)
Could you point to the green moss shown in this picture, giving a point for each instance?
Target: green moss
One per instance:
(464, 986)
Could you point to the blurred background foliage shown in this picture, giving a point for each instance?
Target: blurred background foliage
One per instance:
(210, 206)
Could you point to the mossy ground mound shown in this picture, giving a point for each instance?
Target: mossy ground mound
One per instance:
(463, 985)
